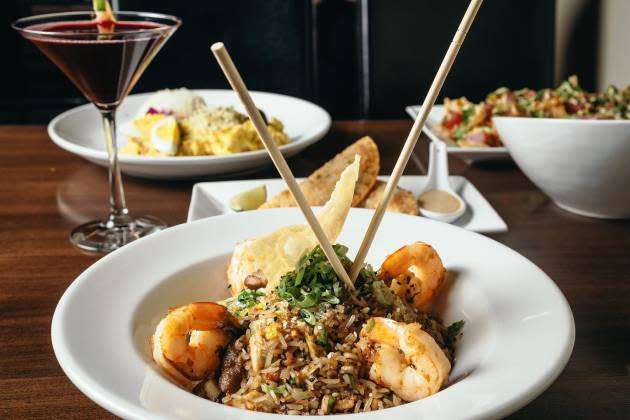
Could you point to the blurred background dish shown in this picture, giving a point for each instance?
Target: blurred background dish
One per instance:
(178, 122)
(582, 165)
(468, 154)
(467, 125)
(77, 131)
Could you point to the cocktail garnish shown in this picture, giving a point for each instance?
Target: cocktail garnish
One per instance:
(105, 20)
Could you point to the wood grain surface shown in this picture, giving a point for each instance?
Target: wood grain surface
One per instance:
(45, 191)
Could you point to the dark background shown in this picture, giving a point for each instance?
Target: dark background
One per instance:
(358, 59)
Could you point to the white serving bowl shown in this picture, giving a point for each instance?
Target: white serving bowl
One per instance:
(583, 165)
(518, 336)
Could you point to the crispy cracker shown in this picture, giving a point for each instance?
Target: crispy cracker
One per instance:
(320, 184)
(276, 253)
(403, 201)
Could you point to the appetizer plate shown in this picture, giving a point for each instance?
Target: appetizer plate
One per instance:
(518, 335)
(212, 198)
(79, 131)
(468, 154)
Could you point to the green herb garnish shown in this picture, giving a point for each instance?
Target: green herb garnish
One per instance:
(452, 331)
(314, 283)
(382, 293)
(331, 403)
(322, 337)
(460, 132)
(314, 280)
(308, 317)
(353, 382)
(249, 297)
(278, 390)
(467, 113)
(369, 325)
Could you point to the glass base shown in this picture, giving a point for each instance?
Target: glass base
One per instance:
(105, 236)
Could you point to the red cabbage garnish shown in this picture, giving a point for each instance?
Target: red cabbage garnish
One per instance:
(152, 111)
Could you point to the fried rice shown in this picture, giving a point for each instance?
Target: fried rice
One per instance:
(315, 369)
(300, 347)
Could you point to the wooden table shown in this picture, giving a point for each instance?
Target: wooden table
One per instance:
(46, 191)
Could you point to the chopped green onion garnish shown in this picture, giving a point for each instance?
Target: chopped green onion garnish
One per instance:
(369, 325)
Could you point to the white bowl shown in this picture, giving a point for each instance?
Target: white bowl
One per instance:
(79, 131)
(518, 335)
(583, 165)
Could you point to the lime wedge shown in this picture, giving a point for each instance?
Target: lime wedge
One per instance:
(250, 199)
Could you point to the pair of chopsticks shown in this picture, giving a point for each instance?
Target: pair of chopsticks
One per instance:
(235, 80)
(233, 76)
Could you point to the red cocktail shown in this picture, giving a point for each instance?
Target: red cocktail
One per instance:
(103, 69)
(104, 65)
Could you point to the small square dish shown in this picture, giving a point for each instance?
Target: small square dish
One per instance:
(212, 198)
(468, 154)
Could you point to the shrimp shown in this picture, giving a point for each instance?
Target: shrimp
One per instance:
(187, 343)
(414, 273)
(405, 358)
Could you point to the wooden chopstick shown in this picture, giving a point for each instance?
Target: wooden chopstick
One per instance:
(412, 138)
(233, 76)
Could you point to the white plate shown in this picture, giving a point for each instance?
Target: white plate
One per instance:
(518, 335)
(212, 198)
(79, 131)
(469, 154)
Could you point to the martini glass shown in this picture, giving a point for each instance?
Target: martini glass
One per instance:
(104, 66)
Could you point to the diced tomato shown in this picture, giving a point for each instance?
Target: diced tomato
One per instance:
(272, 376)
(572, 108)
(452, 119)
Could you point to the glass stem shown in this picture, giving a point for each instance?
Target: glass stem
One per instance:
(118, 213)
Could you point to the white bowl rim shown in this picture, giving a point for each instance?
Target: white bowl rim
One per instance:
(565, 120)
